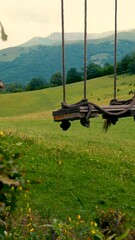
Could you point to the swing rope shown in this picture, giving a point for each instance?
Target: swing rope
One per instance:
(115, 51)
(85, 47)
(63, 49)
(63, 52)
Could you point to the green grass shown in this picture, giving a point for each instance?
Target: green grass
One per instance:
(81, 169)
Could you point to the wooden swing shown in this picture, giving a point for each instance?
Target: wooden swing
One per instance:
(84, 110)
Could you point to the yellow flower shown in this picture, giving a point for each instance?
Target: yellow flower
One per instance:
(78, 217)
(2, 134)
(69, 219)
(20, 188)
(28, 224)
(95, 224)
(93, 232)
(59, 162)
(29, 210)
(32, 230)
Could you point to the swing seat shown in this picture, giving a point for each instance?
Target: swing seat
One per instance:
(80, 112)
(89, 110)
(73, 113)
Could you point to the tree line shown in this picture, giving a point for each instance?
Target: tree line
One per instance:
(126, 65)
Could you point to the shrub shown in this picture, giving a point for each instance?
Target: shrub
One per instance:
(9, 184)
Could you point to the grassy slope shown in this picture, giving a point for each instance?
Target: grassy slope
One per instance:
(97, 169)
(20, 104)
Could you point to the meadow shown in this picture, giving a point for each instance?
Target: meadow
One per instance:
(74, 172)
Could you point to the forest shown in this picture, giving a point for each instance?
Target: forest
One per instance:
(126, 65)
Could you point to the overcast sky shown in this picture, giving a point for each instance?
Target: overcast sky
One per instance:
(25, 19)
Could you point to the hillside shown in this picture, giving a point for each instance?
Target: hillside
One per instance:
(42, 102)
(22, 63)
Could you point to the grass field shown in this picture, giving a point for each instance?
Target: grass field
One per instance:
(77, 171)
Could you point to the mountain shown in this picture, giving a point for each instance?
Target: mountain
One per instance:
(55, 38)
(39, 58)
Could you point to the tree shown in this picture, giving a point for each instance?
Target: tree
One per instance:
(132, 64)
(36, 84)
(15, 87)
(73, 76)
(108, 69)
(124, 64)
(94, 70)
(56, 80)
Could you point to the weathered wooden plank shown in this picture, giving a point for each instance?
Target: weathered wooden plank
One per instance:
(79, 112)
(71, 117)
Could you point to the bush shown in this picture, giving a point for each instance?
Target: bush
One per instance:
(9, 184)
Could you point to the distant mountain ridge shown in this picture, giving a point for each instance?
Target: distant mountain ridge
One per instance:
(42, 56)
(55, 38)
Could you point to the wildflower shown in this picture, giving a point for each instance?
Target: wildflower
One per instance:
(29, 210)
(2, 134)
(19, 143)
(91, 223)
(93, 232)
(69, 219)
(59, 162)
(29, 224)
(20, 188)
(78, 217)
(32, 230)
(95, 224)
(28, 181)
(5, 232)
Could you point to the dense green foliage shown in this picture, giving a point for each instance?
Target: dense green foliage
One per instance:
(73, 76)
(10, 179)
(36, 84)
(46, 60)
(126, 65)
(55, 80)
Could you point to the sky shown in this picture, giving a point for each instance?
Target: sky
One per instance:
(25, 19)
